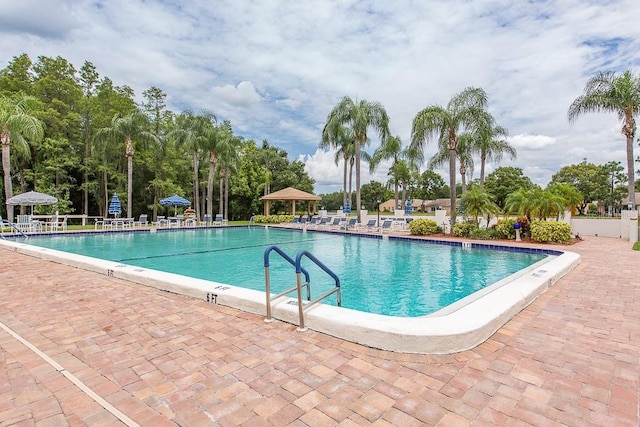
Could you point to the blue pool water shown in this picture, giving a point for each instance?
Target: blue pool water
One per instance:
(389, 277)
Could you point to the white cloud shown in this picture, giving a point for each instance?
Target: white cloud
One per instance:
(242, 95)
(531, 142)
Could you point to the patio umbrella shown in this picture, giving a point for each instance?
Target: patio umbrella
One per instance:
(408, 209)
(114, 206)
(175, 201)
(347, 207)
(31, 198)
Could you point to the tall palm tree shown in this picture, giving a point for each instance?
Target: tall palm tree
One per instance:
(464, 154)
(17, 124)
(613, 93)
(127, 128)
(359, 117)
(192, 132)
(340, 137)
(491, 143)
(228, 156)
(391, 148)
(463, 112)
(212, 142)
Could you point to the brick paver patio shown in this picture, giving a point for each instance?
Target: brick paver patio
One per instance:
(570, 358)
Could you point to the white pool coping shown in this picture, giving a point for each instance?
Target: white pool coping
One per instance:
(459, 327)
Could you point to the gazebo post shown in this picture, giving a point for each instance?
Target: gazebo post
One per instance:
(293, 207)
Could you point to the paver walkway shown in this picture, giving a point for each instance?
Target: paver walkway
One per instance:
(158, 359)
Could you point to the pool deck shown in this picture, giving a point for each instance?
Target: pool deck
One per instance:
(81, 348)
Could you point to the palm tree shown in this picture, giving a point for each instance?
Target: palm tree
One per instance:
(192, 132)
(464, 111)
(127, 128)
(535, 203)
(391, 148)
(477, 202)
(613, 93)
(340, 137)
(358, 117)
(17, 124)
(490, 142)
(572, 197)
(212, 142)
(464, 154)
(228, 155)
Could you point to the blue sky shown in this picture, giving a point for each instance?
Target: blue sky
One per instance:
(276, 68)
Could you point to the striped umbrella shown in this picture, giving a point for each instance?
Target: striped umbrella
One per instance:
(347, 207)
(408, 209)
(114, 206)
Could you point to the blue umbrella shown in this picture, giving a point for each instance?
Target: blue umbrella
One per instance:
(347, 207)
(114, 207)
(175, 201)
(408, 209)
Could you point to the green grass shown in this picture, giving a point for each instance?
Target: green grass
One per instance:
(636, 246)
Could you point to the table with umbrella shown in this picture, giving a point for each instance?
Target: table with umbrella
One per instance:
(175, 201)
(30, 198)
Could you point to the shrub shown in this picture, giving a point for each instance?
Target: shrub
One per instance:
(485, 234)
(463, 229)
(272, 219)
(550, 231)
(424, 227)
(505, 228)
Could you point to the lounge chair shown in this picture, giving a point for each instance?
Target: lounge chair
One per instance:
(371, 225)
(386, 225)
(206, 220)
(336, 222)
(322, 222)
(315, 220)
(351, 223)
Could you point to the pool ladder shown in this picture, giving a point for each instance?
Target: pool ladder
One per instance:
(299, 284)
(4, 222)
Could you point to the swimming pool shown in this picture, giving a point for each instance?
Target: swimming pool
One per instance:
(388, 277)
(457, 327)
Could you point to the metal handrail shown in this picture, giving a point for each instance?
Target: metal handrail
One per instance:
(12, 225)
(299, 284)
(267, 281)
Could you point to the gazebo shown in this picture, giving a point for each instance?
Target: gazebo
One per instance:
(292, 195)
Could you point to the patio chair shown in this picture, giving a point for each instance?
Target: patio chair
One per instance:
(206, 220)
(217, 220)
(142, 221)
(161, 221)
(58, 224)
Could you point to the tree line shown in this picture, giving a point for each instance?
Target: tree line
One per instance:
(74, 134)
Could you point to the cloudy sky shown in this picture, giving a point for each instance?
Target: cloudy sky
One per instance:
(275, 68)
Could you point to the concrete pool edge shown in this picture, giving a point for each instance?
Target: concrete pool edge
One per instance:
(453, 332)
